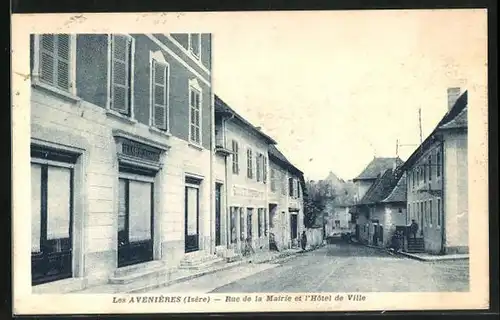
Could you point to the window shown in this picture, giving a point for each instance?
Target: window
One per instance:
(413, 178)
(264, 169)
(438, 164)
(273, 179)
(249, 222)
(159, 92)
(429, 164)
(298, 189)
(234, 217)
(51, 220)
(195, 44)
(290, 187)
(430, 212)
(265, 221)
(283, 186)
(438, 212)
(258, 165)
(121, 74)
(249, 164)
(54, 60)
(260, 220)
(424, 171)
(421, 213)
(235, 148)
(195, 113)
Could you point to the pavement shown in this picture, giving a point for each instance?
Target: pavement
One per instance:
(338, 267)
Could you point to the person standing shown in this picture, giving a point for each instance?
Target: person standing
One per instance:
(303, 241)
(413, 228)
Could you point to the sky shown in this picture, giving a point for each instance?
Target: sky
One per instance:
(335, 89)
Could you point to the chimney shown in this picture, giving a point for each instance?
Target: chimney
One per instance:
(453, 95)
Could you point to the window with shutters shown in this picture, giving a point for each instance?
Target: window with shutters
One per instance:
(429, 164)
(249, 164)
(264, 169)
(195, 113)
(55, 60)
(438, 212)
(283, 184)
(290, 187)
(159, 92)
(438, 164)
(121, 47)
(258, 164)
(273, 180)
(195, 44)
(236, 165)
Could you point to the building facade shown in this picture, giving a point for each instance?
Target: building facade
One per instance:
(437, 185)
(285, 200)
(118, 185)
(362, 183)
(246, 220)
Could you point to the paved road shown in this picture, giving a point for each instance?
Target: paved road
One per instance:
(336, 268)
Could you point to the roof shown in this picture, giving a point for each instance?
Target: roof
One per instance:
(278, 155)
(221, 108)
(381, 188)
(456, 117)
(398, 194)
(377, 166)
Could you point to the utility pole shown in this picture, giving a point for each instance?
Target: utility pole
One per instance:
(397, 146)
(420, 123)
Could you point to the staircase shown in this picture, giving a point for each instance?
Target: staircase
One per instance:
(416, 245)
(144, 271)
(197, 261)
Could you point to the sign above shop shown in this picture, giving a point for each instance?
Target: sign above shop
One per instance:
(137, 150)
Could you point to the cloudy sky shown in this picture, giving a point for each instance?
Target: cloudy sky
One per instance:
(336, 89)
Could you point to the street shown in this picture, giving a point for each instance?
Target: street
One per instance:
(335, 268)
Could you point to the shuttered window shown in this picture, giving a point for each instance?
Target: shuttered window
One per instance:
(121, 54)
(264, 169)
(236, 165)
(195, 44)
(258, 164)
(159, 92)
(249, 164)
(273, 179)
(54, 60)
(195, 119)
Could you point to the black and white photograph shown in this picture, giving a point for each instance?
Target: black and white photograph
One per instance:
(250, 161)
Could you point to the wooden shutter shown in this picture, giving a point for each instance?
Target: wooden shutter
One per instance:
(257, 166)
(159, 87)
(120, 85)
(63, 58)
(264, 169)
(47, 58)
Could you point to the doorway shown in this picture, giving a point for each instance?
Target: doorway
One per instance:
(293, 226)
(135, 221)
(218, 188)
(192, 215)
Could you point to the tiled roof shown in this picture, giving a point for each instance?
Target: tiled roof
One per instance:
(377, 166)
(454, 118)
(274, 152)
(222, 108)
(460, 121)
(381, 188)
(398, 194)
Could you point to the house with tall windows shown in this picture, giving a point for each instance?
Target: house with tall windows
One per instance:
(122, 168)
(437, 184)
(286, 200)
(242, 165)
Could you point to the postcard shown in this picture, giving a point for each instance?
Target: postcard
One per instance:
(250, 161)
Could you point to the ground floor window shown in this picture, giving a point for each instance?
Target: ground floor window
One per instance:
(192, 214)
(260, 221)
(51, 220)
(249, 223)
(438, 212)
(243, 227)
(135, 219)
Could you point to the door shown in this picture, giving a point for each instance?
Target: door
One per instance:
(135, 222)
(192, 218)
(217, 214)
(249, 222)
(293, 226)
(51, 222)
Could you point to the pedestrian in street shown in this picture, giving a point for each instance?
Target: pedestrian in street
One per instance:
(414, 228)
(303, 241)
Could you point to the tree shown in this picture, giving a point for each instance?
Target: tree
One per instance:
(318, 193)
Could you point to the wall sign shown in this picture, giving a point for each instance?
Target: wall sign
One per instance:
(138, 150)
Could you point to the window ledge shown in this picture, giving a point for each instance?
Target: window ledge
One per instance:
(195, 145)
(160, 132)
(119, 116)
(55, 91)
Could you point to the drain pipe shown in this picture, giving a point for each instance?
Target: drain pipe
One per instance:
(226, 186)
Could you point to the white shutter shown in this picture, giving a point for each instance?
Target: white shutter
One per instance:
(160, 114)
(120, 85)
(63, 58)
(47, 58)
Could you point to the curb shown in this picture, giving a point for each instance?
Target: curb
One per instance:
(414, 257)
